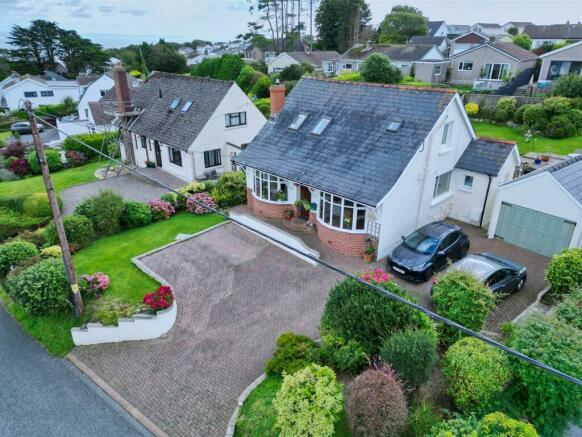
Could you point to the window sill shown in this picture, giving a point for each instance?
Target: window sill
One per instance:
(444, 151)
(272, 202)
(212, 166)
(466, 189)
(345, 231)
(441, 198)
(238, 126)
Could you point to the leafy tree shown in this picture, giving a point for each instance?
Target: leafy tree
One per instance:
(207, 68)
(244, 78)
(377, 68)
(77, 52)
(340, 23)
(291, 72)
(402, 23)
(163, 57)
(261, 87)
(513, 31)
(523, 41)
(569, 86)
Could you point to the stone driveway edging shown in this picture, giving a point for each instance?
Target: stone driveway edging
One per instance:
(230, 429)
(530, 309)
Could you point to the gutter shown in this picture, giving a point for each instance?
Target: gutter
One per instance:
(485, 201)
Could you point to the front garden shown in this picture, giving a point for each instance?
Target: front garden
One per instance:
(383, 369)
(104, 233)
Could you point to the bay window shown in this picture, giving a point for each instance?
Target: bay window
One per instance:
(269, 187)
(341, 213)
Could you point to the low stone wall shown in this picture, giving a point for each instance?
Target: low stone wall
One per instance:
(265, 209)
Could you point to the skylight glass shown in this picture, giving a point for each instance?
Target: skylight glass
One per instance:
(186, 106)
(320, 126)
(296, 124)
(394, 125)
(175, 103)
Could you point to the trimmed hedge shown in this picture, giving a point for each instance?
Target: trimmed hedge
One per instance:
(78, 229)
(100, 141)
(135, 214)
(293, 353)
(13, 253)
(37, 205)
(53, 160)
(347, 356)
(564, 272)
(104, 210)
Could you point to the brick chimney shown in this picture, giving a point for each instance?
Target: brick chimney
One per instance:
(277, 99)
(122, 107)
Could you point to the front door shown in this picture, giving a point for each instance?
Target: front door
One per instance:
(158, 154)
(305, 194)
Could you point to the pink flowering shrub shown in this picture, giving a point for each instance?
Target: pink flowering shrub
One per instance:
(196, 200)
(378, 276)
(95, 284)
(160, 299)
(161, 210)
(20, 167)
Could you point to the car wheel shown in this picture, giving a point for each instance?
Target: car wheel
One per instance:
(428, 274)
(520, 284)
(463, 252)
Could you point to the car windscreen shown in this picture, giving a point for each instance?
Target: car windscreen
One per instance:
(421, 243)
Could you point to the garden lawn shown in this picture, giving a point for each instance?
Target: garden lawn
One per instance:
(561, 146)
(112, 256)
(61, 180)
(257, 416)
(4, 136)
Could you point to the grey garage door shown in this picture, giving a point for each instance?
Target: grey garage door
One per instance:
(534, 230)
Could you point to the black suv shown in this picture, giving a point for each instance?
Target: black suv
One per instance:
(428, 250)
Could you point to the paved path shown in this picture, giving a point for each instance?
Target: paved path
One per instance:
(44, 396)
(236, 293)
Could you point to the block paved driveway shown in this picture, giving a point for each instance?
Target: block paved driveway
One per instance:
(235, 293)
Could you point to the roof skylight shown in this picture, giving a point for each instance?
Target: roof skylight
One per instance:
(320, 126)
(394, 125)
(186, 106)
(298, 121)
(175, 103)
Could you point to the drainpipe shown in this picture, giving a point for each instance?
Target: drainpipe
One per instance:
(423, 182)
(485, 202)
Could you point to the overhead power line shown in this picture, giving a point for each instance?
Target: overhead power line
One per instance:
(434, 316)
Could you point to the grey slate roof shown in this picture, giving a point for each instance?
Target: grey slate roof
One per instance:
(355, 157)
(508, 48)
(554, 31)
(396, 52)
(316, 57)
(485, 156)
(433, 26)
(428, 40)
(175, 128)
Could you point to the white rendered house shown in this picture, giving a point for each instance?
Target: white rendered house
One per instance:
(15, 89)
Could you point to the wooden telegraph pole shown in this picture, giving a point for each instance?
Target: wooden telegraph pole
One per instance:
(76, 295)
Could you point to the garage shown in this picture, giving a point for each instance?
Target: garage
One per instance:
(541, 211)
(534, 230)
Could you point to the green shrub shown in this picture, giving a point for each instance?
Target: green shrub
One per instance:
(518, 114)
(230, 67)
(108, 312)
(575, 116)
(569, 310)
(12, 223)
(37, 205)
(472, 109)
(523, 40)
(42, 288)
(53, 160)
(564, 272)
(103, 210)
(309, 402)
(549, 402)
(99, 141)
(457, 426)
(293, 352)
(355, 312)
(498, 424)
(232, 189)
(244, 78)
(536, 117)
(476, 373)
(501, 115)
(557, 105)
(508, 104)
(289, 85)
(377, 68)
(569, 86)
(35, 237)
(411, 354)
(264, 105)
(461, 297)
(347, 356)
(13, 253)
(136, 214)
(376, 405)
(261, 87)
(291, 72)
(560, 126)
(51, 252)
(349, 76)
(422, 417)
(78, 229)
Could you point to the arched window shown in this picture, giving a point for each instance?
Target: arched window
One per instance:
(269, 187)
(341, 213)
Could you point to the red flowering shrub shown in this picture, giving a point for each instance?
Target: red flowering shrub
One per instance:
(160, 299)
(95, 284)
(75, 158)
(161, 210)
(378, 276)
(14, 148)
(20, 167)
(196, 200)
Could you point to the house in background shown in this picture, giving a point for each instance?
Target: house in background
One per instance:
(561, 62)
(314, 58)
(488, 29)
(467, 41)
(455, 30)
(544, 223)
(553, 33)
(437, 28)
(48, 89)
(489, 65)
(428, 62)
(519, 25)
(374, 161)
(188, 126)
(439, 41)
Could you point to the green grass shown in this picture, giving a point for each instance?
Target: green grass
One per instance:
(257, 416)
(61, 180)
(4, 136)
(111, 255)
(561, 146)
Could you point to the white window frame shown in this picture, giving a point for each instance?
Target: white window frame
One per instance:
(447, 134)
(328, 202)
(235, 119)
(438, 67)
(469, 187)
(493, 64)
(266, 186)
(463, 64)
(436, 194)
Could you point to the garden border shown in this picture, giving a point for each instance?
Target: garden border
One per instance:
(532, 307)
(231, 427)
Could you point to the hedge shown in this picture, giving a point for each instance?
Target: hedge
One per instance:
(78, 229)
(12, 253)
(100, 141)
(53, 160)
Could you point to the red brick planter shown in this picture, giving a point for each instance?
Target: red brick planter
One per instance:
(345, 243)
(265, 209)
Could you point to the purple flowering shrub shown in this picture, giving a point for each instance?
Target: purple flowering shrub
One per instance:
(196, 203)
(95, 284)
(161, 210)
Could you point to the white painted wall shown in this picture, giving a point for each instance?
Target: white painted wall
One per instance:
(93, 93)
(541, 193)
(280, 62)
(144, 152)
(14, 95)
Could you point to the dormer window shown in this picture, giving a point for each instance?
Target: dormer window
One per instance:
(298, 121)
(175, 103)
(321, 125)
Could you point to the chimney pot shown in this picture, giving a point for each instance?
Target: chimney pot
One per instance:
(121, 89)
(277, 94)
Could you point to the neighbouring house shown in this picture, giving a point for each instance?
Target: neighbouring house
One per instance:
(490, 65)
(373, 161)
(488, 29)
(455, 30)
(561, 62)
(519, 25)
(541, 211)
(439, 41)
(257, 54)
(48, 89)
(467, 41)
(437, 28)
(314, 58)
(188, 126)
(427, 61)
(553, 33)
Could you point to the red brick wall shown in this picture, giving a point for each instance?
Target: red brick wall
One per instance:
(264, 209)
(342, 242)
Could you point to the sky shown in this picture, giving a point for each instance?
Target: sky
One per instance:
(116, 23)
